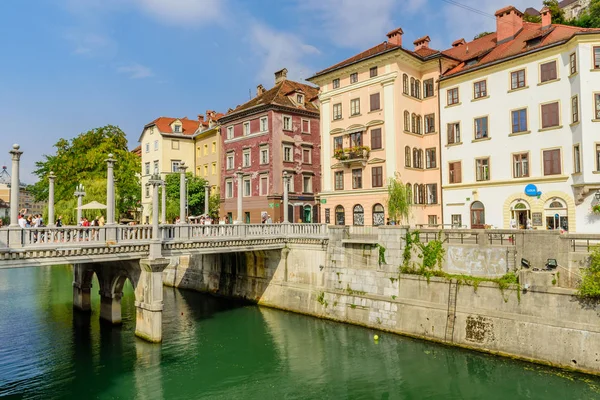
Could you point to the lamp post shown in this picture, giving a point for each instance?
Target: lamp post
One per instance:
(110, 190)
(79, 193)
(206, 197)
(240, 176)
(15, 186)
(163, 211)
(51, 178)
(286, 185)
(597, 195)
(182, 193)
(187, 196)
(155, 182)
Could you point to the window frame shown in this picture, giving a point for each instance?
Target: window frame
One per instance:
(426, 84)
(575, 109)
(283, 124)
(573, 63)
(355, 107)
(596, 104)
(541, 111)
(595, 57)
(510, 79)
(577, 158)
(541, 65)
(291, 149)
(377, 178)
(262, 151)
(597, 151)
(174, 144)
(371, 97)
(428, 161)
(302, 121)
(337, 116)
(487, 128)
(512, 124)
(230, 155)
(353, 77)
(248, 180)
(517, 159)
(309, 150)
(380, 135)
(335, 83)
(340, 140)
(373, 72)
(450, 100)
(357, 173)
(246, 128)
(147, 168)
(453, 177)
(456, 137)
(310, 184)
(432, 118)
(428, 193)
(480, 94)
(230, 133)
(246, 156)
(228, 188)
(156, 145)
(175, 166)
(553, 149)
(260, 183)
(265, 121)
(478, 176)
(337, 174)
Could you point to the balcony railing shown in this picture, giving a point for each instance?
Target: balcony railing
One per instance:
(352, 154)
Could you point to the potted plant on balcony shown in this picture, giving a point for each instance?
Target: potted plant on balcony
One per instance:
(596, 209)
(339, 154)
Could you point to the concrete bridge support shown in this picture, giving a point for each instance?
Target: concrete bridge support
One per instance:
(82, 287)
(149, 300)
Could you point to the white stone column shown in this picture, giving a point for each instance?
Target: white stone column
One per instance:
(390, 127)
(51, 178)
(240, 183)
(286, 186)
(206, 198)
(15, 185)
(182, 193)
(163, 211)
(155, 245)
(79, 193)
(110, 190)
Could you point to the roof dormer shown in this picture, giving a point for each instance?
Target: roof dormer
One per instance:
(176, 126)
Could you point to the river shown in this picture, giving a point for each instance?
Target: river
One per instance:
(220, 349)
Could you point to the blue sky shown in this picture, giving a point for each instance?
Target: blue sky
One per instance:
(72, 65)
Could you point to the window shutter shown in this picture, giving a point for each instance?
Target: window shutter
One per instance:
(457, 173)
(376, 138)
(375, 101)
(450, 134)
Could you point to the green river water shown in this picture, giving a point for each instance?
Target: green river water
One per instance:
(218, 349)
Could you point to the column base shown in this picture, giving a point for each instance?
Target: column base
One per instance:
(82, 300)
(110, 307)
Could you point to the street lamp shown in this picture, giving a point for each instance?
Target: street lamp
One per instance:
(187, 195)
(597, 195)
(79, 193)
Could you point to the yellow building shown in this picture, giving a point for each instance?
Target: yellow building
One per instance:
(207, 142)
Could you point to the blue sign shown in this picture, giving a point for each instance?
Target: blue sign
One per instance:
(532, 190)
(556, 216)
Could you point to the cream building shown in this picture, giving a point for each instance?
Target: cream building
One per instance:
(207, 141)
(379, 120)
(520, 115)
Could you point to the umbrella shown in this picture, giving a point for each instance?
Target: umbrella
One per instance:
(94, 205)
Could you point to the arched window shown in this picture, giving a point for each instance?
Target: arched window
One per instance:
(415, 155)
(378, 215)
(405, 84)
(477, 215)
(418, 124)
(420, 158)
(407, 156)
(358, 215)
(422, 194)
(418, 89)
(414, 123)
(406, 121)
(340, 216)
(520, 215)
(409, 192)
(412, 87)
(416, 194)
(556, 213)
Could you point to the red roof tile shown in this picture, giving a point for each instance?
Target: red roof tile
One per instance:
(137, 151)
(188, 126)
(422, 39)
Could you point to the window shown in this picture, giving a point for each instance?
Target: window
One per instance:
(213, 168)
(577, 158)
(432, 220)
(206, 149)
(338, 143)
(247, 187)
(354, 77)
(356, 139)
(378, 215)
(452, 96)
(339, 180)
(430, 159)
(419, 194)
(574, 109)
(376, 143)
(214, 147)
(374, 100)
(340, 215)
(156, 145)
(521, 165)
(147, 168)
(548, 71)
(412, 87)
(431, 193)
(305, 126)
(552, 162)
(246, 128)
(147, 147)
(597, 157)
(264, 124)
(175, 165)
(377, 177)
(482, 167)
(405, 84)
(205, 169)
(287, 154)
(456, 220)
(596, 105)
(246, 158)
(299, 99)
(454, 133)
(413, 120)
(177, 128)
(373, 72)
(417, 158)
(418, 131)
(175, 144)
(264, 185)
(519, 120)
(264, 155)
(596, 57)
(307, 184)
(481, 128)
(428, 88)
(517, 79)
(306, 156)
(287, 123)
(357, 179)
(550, 117)
(573, 63)
(156, 171)
(147, 191)
(230, 132)
(480, 89)
(337, 111)
(291, 183)
(406, 121)
(355, 107)
(455, 173)
(417, 88)
(358, 215)
(430, 123)
(228, 189)
(336, 83)
(407, 156)
(230, 160)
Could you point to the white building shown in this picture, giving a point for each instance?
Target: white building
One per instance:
(520, 115)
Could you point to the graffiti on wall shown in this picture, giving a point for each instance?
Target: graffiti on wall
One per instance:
(476, 261)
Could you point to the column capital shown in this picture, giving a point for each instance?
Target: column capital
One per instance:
(15, 152)
(51, 176)
(110, 160)
(182, 167)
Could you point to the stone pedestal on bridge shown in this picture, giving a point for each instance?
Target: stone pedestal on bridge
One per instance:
(149, 300)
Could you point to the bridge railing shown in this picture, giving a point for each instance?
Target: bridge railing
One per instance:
(134, 233)
(193, 231)
(57, 236)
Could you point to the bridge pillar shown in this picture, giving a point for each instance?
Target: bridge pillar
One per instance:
(110, 307)
(149, 300)
(82, 287)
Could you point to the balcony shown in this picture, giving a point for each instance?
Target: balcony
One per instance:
(353, 155)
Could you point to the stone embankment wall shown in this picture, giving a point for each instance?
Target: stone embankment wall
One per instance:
(345, 282)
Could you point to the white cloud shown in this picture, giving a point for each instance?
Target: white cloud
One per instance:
(91, 44)
(186, 12)
(135, 71)
(278, 50)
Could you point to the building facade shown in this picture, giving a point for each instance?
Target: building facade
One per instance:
(520, 114)
(275, 132)
(379, 120)
(207, 142)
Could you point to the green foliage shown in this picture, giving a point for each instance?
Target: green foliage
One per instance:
(321, 299)
(590, 18)
(558, 15)
(482, 34)
(82, 160)
(590, 284)
(381, 254)
(195, 195)
(399, 200)
(351, 292)
(432, 253)
(532, 18)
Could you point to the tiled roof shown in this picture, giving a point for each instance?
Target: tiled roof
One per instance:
(485, 50)
(188, 126)
(531, 11)
(278, 95)
(137, 151)
(565, 3)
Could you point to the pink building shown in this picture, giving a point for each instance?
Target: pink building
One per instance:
(275, 132)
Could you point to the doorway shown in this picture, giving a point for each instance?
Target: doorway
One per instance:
(307, 215)
(477, 215)
(520, 214)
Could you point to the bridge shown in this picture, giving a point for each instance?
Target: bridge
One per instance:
(140, 253)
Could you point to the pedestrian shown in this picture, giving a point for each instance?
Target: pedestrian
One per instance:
(101, 221)
(269, 220)
(22, 221)
(59, 222)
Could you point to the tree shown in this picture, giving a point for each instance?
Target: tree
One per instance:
(82, 160)
(195, 195)
(399, 200)
(589, 287)
(482, 34)
(590, 18)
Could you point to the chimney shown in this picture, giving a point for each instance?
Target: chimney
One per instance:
(201, 118)
(260, 89)
(280, 75)
(459, 42)
(422, 43)
(546, 17)
(509, 22)
(395, 37)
